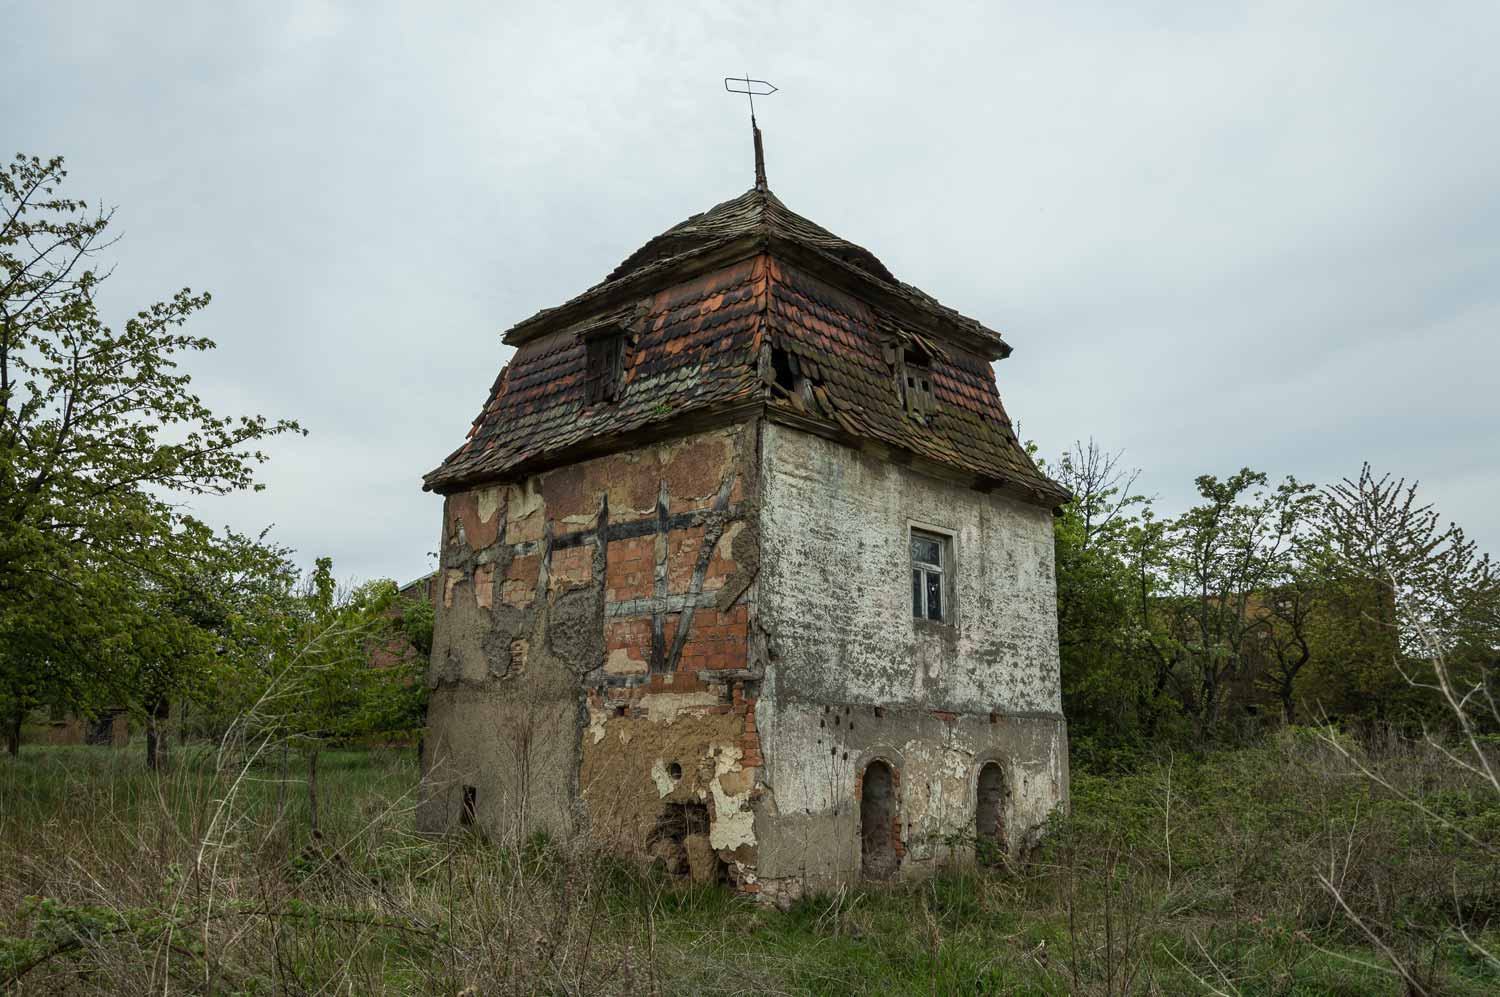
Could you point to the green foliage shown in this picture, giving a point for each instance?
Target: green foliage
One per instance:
(1105, 543)
(330, 664)
(1194, 865)
(416, 625)
(1308, 602)
(100, 436)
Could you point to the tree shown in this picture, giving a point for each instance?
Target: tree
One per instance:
(1399, 587)
(1228, 554)
(196, 640)
(1109, 692)
(100, 437)
(323, 685)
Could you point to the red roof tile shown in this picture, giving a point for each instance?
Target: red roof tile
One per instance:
(700, 342)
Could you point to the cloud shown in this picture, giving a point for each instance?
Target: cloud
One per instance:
(1216, 236)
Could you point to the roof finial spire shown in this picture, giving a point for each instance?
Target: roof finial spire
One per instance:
(760, 157)
(749, 87)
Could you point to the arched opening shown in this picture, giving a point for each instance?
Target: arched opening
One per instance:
(989, 814)
(877, 821)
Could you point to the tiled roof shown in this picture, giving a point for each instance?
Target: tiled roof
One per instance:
(759, 216)
(697, 346)
(755, 211)
(839, 345)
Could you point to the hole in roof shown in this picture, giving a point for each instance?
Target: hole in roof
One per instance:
(781, 367)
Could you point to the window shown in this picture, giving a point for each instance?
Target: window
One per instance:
(606, 366)
(918, 389)
(929, 557)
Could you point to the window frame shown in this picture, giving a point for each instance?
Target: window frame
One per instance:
(916, 384)
(604, 364)
(943, 570)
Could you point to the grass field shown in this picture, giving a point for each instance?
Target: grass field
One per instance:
(1194, 875)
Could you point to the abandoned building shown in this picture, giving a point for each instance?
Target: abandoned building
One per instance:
(744, 570)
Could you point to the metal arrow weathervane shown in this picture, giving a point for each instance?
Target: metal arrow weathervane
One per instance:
(752, 89)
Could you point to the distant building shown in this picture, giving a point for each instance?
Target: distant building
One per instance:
(109, 729)
(744, 568)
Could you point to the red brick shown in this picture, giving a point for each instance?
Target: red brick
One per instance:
(631, 571)
(682, 558)
(571, 567)
(464, 509)
(484, 585)
(519, 586)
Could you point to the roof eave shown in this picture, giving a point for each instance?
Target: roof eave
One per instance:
(1028, 492)
(670, 427)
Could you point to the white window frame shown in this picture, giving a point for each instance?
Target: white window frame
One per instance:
(944, 570)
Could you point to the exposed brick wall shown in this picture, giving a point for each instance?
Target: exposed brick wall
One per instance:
(519, 586)
(643, 547)
(571, 568)
(631, 569)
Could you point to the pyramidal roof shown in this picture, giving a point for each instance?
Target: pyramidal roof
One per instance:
(755, 212)
(758, 217)
(711, 309)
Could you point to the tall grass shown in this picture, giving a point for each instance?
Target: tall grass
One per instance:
(1192, 875)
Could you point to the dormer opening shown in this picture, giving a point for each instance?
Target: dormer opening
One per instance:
(916, 373)
(781, 369)
(604, 376)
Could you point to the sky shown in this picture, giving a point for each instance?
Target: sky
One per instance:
(1217, 235)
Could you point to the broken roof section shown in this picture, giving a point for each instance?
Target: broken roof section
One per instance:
(758, 220)
(716, 312)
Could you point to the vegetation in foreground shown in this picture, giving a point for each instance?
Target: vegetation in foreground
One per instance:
(1266, 869)
(1292, 865)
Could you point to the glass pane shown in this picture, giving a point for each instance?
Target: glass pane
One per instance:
(925, 550)
(934, 596)
(916, 594)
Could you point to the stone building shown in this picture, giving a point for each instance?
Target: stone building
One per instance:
(743, 568)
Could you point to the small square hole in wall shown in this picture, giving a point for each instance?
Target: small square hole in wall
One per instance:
(471, 803)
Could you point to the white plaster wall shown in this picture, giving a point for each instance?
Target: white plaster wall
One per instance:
(836, 585)
(808, 822)
(852, 677)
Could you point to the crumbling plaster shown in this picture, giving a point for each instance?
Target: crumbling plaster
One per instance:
(723, 621)
(854, 678)
(587, 617)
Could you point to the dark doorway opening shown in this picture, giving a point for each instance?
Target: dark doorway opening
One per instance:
(100, 731)
(680, 843)
(989, 814)
(877, 821)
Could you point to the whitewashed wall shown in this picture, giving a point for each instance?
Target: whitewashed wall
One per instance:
(853, 677)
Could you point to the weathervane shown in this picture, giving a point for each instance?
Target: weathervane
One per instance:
(750, 88)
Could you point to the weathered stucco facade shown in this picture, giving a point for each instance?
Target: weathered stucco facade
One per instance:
(857, 679)
(679, 602)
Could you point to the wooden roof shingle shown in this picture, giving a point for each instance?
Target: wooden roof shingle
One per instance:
(701, 328)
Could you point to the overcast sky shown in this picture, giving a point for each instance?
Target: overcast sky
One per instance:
(1216, 235)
